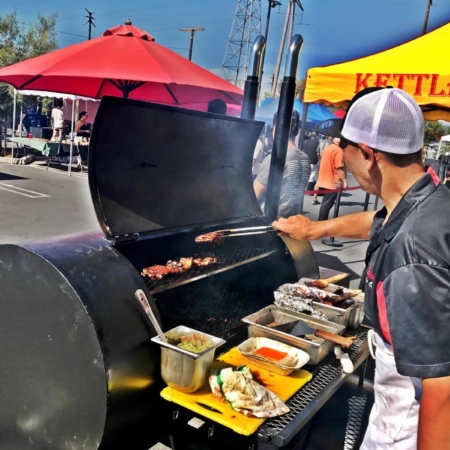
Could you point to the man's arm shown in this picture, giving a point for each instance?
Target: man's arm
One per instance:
(303, 229)
(343, 176)
(259, 188)
(434, 415)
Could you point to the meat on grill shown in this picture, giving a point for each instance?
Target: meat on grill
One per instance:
(179, 266)
(155, 272)
(216, 237)
(176, 267)
(203, 262)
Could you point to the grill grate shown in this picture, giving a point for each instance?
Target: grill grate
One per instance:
(228, 256)
(323, 374)
(208, 307)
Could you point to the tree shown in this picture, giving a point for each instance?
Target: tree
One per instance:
(299, 88)
(22, 41)
(433, 131)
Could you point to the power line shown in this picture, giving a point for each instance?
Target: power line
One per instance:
(427, 13)
(90, 20)
(191, 39)
(54, 31)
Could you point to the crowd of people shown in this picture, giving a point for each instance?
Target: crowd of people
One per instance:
(315, 165)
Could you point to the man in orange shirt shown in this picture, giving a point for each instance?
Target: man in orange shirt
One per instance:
(332, 175)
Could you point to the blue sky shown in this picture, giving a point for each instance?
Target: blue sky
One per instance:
(333, 30)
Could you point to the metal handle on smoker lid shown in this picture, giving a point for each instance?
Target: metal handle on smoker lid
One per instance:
(142, 299)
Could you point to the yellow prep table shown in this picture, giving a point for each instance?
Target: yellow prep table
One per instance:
(283, 386)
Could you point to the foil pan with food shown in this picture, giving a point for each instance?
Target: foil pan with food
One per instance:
(338, 307)
(298, 304)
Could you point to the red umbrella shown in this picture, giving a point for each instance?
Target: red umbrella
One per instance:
(126, 61)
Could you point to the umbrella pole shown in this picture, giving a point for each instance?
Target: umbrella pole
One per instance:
(303, 125)
(71, 136)
(13, 125)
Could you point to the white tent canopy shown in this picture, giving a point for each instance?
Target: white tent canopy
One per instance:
(72, 103)
(56, 94)
(445, 138)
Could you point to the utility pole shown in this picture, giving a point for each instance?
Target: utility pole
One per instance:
(290, 14)
(90, 20)
(280, 52)
(191, 39)
(291, 24)
(272, 4)
(427, 13)
(244, 30)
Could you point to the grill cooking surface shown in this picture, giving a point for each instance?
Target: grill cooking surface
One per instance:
(228, 257)
(207, 307)
(323, 374)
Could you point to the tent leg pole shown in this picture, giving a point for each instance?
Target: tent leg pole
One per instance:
(71, 137)
(14, 126)
(303, 125)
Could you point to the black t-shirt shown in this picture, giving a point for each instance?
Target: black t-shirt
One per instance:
(408, 279)
(310, 148)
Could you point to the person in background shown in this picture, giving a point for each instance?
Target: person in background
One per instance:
(262, 149)
(82, 128)
(447, 179)
(38, 109)
(59, 126)
(310, 148)
(407, 279)
(217, 106)
(332, 175)
(295, 176)
(325, 141)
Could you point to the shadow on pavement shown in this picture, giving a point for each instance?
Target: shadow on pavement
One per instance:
(8, 177)
(333, 262)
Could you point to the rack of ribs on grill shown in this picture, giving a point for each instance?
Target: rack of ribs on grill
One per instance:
(158, 272)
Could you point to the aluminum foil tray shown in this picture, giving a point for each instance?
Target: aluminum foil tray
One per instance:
(351, 316)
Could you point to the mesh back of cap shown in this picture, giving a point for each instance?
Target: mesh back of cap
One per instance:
(388, 120)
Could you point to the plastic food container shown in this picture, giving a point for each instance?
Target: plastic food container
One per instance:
(294, 359)
(317, 350)
(183, 370)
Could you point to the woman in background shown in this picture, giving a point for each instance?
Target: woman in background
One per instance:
(82, 128)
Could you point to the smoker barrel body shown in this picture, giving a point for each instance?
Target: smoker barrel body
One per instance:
(78, 368)
(77, 364)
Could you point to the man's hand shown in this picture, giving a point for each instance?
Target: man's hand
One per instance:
(296, 227)
(351, 226)
(434, 415)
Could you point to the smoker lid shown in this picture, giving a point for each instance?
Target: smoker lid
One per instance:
(155, 167)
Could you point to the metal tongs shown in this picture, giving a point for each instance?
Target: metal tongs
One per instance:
(245, 231)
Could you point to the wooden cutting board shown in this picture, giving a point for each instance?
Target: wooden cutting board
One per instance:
(283, 386)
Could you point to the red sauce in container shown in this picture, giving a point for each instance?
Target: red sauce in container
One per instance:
(270, 353)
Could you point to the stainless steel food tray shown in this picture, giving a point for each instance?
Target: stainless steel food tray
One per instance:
(316, 351)
(351, 317)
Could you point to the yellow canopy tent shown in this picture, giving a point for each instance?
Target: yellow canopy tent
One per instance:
(417, 66)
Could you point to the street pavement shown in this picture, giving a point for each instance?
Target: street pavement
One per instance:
(38, 205)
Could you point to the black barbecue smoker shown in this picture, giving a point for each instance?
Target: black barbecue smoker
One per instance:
(78, 368)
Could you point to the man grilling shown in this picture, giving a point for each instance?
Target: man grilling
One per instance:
(408, 269)
(295, 176)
